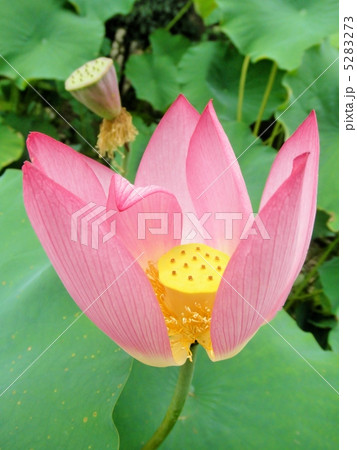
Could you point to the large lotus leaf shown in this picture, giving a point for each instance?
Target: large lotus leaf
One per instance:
(11, 145)
(172, 67)
(217, 77)
(154, 75)
(254, 158)
(321, 94)
(266, 397)
(103, 9)
(278, 29)
(42, 39)
(62, 381)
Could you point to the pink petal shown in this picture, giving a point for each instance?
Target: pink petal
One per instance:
(216, 183)
(146, 218)
(305, 139)
(103, 172)
(107, 283)
(67, 167)
(261, 272)
(164, 161)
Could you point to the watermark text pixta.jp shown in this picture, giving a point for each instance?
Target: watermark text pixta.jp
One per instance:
(93, 225)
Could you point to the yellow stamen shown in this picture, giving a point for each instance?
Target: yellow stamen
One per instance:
(186, 294)
(115, 133)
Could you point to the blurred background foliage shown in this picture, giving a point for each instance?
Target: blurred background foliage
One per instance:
(266, 65)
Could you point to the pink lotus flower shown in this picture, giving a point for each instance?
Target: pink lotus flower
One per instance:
(155, 296)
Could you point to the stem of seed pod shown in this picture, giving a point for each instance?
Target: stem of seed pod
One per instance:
(266, 95)
(243, 77)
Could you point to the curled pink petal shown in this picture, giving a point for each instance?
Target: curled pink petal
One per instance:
(146, 218)
(261, 272)
(103, 172)
(107, 283)
(216, 183)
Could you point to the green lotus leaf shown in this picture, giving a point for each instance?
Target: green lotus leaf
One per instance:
(265, 397)
(204, 7)
(103, 9)
(329, 278)
(154, 75)
(280, 30)
(11, 145)
(43, 40)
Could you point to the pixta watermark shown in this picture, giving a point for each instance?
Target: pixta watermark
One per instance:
(93, 225)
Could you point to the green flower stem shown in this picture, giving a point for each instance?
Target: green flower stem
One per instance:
(267, 92)
(243, 77)
(178, 16)
(177, 403)
(126, 158)
(274, 133)
(311, 273)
